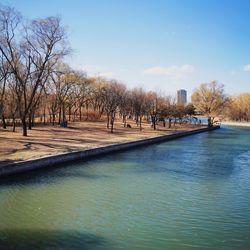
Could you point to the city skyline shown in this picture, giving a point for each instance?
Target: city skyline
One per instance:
(162, 46)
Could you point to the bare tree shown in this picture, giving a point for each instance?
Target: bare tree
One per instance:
(152, 107)
(239, 109)
(83, 91)
(4, 76)
(97, 94)
(210, 100)
(31, 53)
(113, 93)
(126, 106)
(63, 79)
(139, 99)
(166, 107)
(189, 111)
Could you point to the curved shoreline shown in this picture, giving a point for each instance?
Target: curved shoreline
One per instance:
(237, 124)
(48, 161)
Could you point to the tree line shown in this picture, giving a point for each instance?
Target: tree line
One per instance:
(239, 109)
(70, 95)
(35, 83)
(37, 86)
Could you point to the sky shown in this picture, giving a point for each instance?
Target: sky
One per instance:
(159, 45)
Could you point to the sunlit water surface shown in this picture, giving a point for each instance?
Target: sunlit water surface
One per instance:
(190, 193)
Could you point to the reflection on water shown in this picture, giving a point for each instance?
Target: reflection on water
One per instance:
(188, 193)
(48, 239)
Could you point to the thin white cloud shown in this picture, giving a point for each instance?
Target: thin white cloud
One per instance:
(107, 74)
(233, 72)
(171, 71)
(92, 68)
(246, 67)
(96, 70)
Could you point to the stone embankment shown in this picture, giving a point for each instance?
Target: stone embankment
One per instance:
(54, 160)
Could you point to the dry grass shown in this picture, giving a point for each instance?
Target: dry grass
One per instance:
(49, 140)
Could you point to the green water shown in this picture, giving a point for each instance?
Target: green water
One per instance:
(190, 193)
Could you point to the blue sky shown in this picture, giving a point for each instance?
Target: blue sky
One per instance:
(158, 45)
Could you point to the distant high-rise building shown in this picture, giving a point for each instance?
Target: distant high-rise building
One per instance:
(182, 96)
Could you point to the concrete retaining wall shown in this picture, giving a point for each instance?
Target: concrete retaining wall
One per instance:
(23, 166)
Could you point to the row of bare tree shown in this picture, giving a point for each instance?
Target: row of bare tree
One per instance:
(72, 95)
(240, 108)
(35, 83)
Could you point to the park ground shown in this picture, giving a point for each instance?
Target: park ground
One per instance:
(51, 140)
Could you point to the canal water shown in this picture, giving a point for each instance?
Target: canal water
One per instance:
(190, 193)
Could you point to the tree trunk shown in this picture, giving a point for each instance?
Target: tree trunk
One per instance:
(107, 120)
(60, 115)
(112, 126)
(29, 122)
(4, 123)
(80, 112)
(24, 124)
(140, 122)
(63, 113)
(69, 113)
(53, 119)
(154, 121)
(209, 122)
(112, 122)
(169, 123)
(44, 116)
(13, 124)
(87, 109)
(74, 115)
(124, 121)
(100, 110)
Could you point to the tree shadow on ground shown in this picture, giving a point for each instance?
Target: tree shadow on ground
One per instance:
(49, 239)
(54, 143)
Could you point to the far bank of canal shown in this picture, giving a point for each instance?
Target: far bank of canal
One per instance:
(190, 193)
